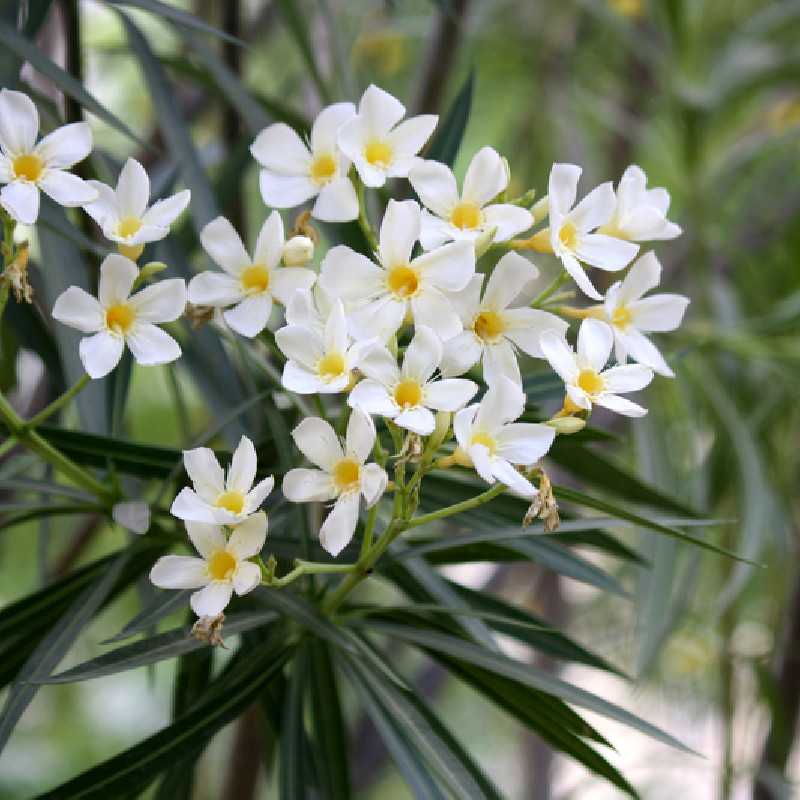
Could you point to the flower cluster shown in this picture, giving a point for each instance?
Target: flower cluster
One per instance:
(439, 306)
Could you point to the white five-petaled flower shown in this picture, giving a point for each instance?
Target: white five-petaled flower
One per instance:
(123, 214)
(487, 433)
(570, 233)
(321, 356)
(629, 314)
(407, 394)
(293, 172)
(470, 214)
(116, 317)
(492, 328)
(216, 497)
(26, 167)
(248, 284)
(343, 475)
(378, 144)
(223, 567)
(586, 381)
(640, 214)
(378, 297)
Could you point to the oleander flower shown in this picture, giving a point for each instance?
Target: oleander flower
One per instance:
(123, 213)
(487, 433)
(640, 214)
(472, 213)
(378, 143)
(631, 315)
(217, 497)
(223, 567)
(117, 318)
(294, 172)
(342, 475)
(493, 327)
(378, 297)
(570, 232)
(248, 284)
(586, 381)
(321, 356)
(26, 167)
(406, 394)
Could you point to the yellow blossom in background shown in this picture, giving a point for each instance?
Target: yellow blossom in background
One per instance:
(628, 8)
(784, 115)
(381, 50)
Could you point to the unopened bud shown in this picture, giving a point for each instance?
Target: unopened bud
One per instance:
(567, 425)
(133, 515)
(540, 209)
(148, 272)
(484, 241)
(199, 315)
(441, 430)
(298, 251)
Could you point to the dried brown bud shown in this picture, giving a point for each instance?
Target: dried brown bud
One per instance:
(16, 275)
(544, 506)
(303, 227)
(199, 315)
(209, 630)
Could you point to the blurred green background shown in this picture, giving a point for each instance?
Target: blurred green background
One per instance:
(705, 96)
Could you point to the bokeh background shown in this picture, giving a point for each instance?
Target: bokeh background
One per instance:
(705, 96)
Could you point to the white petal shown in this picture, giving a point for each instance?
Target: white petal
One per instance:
(500, 361)
(641, 350)
(164, 301)
(661, 312)
(214, 289)
(249, 317)
(524, 442)
(353, 137)
(486, 177)
(360, 436)
(308, 486)
(462, 425)
(507, 220)
(300, 344)
(373, 483)
(204, 472)
(285, 281)
(449, 267)
(503, 402)
(560, 355)
(647, 224)
(399, 232)
(281, 150)
(577, 273)
(242, 471)
(269, 245)
(133, 515)
(518, 484)
(562, 188)
(103, 210)
(460, 353)
(423, 355)
(595, 340)
(434, 232)
(482, 462)
(627, 378)
(379, 110)
(78, 309)
(248, 537)
(378, 319)
(211, 601)
(418, 420)
(644, 275)
(430, 307)
(67, 189)
(336, 338)
(318, 442)
(336, 202)
(296, 378)
(301, 310)
(450, 394)
(188, 505)
(526, 326)
(408, 138)
(595, 209)
(133, 189)
(349, 275)
(164, 212)
(117, 275)
(179, 572)
(19, 122)
(258, 494)
(578, 396)
(246, 578)
(285, 191)
(100, 353)
(509, 277)
(66, 145)
(150, 345)
(221, 241)
(206, 537)
(605, 252)
(21, 200)
(467, 301)
(435, 186)
(373, 398)
(326, 126)
(340, 525)
(620, 405)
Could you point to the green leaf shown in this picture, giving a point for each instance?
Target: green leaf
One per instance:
(163, 604)
(445, 144)
(294, 753)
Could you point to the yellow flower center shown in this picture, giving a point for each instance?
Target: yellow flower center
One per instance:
(568, 235)
(323, 168)
(590, 381)
(255, 279)
(128, 226)
(466, 216)
(621, 317)
(378, 153)
(120, 317)
(28, 167)
(331, 366)
(489, 326)
(408, 393)
(346, 474)
(403, 281)
(481, 437)
(232, 501)
(221, 565)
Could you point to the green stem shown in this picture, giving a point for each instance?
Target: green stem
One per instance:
(58, 403)
(5, 290)
(308, 568)
(457, 508)
(556, 284)
(363, 219)
(369, 530)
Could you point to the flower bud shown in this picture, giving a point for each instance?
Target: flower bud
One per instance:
(567, 425)
(133, 515)
(298, 251)
(148, 272)
(441, 430)
(540, 209)
(484, 241)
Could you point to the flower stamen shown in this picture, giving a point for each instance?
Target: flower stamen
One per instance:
(232, 501)
(119, 318)
(346, 474)
(28, 167)
(221, 565)
(590, 382)
(255, 279)
(403, 281)
(408, 393)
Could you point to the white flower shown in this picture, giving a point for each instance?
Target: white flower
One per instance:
(493, 329)
(116, 317)
(343, 475)
(294, 172)
(470, 214)
(587, 383)
(248, 284)
(298, 251)
(570, 228)
(216, 497)
(378, 146)
(223, 567)
(378, 298)
(640, 214)
(407, 394)
(27, 167)
(487, 433)
(320, 355)
(629, 314)
(123, 214)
